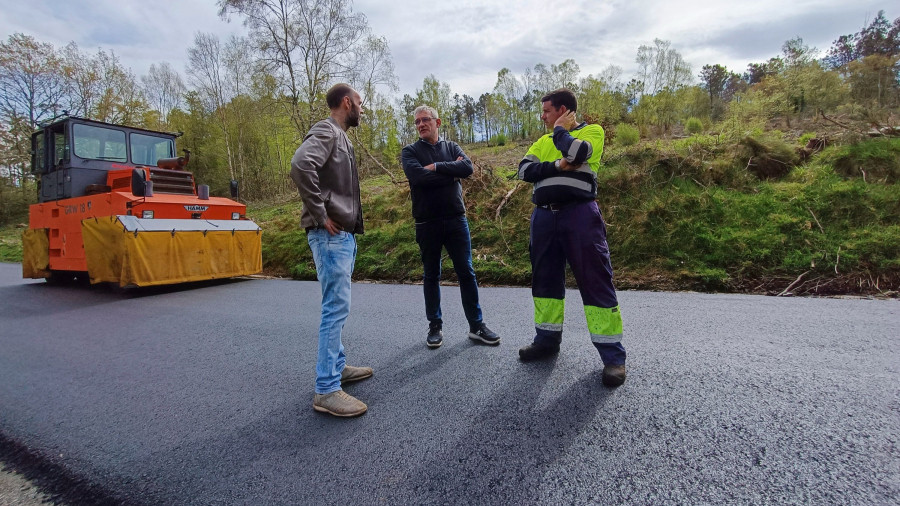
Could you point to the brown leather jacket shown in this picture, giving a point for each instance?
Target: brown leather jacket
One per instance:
(324, 170)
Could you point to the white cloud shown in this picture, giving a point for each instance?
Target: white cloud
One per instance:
(466, 42)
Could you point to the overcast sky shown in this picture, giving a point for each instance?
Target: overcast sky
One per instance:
(466, 42)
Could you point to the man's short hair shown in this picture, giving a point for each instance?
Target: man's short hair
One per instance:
(336, 94)
(427, 108)
(562, 96)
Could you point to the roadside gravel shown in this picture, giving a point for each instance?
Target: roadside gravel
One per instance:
(15, 490)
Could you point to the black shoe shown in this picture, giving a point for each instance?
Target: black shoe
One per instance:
(537, 352)
(480, 332)
(435, 337)
(614, 375)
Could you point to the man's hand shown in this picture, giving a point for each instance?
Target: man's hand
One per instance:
(566, 121)
(430, 166)
(566, 166)
(332, 227)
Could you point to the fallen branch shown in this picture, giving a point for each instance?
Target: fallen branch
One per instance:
(838, 260)
(505, 200)
(786, 290)
(817, 220)
(826, 118)
(366, 151)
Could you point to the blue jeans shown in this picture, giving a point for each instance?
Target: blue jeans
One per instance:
(335, 256)
(453, 234)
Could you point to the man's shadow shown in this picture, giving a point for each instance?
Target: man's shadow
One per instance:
(511, 442)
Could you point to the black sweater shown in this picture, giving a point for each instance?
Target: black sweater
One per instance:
(435, 194)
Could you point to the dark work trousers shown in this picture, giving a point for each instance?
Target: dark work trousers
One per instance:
(575, 233)
(452, 234)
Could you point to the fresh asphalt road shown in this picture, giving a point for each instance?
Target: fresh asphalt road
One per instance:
(203, 395)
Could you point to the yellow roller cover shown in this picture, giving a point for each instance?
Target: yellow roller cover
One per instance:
(138, 252)
(35, 253)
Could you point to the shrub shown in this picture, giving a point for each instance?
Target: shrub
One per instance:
(805, 138)
(498, 140)
(872, 160)
(693, 126)
(627, 135)
(768, 156)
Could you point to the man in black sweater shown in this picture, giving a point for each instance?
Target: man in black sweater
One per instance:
(434, 167)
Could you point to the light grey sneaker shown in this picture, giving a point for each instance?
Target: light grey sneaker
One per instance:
(351, 374)
(339, 403)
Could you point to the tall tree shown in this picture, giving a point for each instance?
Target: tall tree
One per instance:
(82, 81)
(120, 99)
(880, 37)
(714, 79)
(207, 73)
(164, 90)
(31, 90)
(756, 72)
(509, 91)
(307, 43)
(31, 82)
(602, 99)
(661, 67)
(661, 71)
(372, 68)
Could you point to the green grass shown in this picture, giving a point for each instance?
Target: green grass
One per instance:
(683, 214)
(10, 243)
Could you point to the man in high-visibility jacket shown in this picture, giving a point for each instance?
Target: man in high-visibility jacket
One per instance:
(566, 225)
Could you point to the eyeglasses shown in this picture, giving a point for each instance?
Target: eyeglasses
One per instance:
(419, 121)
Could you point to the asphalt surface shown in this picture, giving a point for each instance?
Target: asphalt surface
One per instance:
(202, 394)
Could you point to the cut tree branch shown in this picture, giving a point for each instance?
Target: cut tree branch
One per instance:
(505, 200)
(786, 290)
(378, 163)
(817, 220)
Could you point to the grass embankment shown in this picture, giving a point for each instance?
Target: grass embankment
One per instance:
(11, 243)
(689, 214)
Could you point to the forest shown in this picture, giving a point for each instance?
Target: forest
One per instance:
(778, 178)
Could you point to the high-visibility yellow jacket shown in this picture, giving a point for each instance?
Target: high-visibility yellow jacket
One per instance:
(582, 146)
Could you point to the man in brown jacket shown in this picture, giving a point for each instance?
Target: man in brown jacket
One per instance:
(324, 170)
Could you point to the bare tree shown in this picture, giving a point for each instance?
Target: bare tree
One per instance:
(82, 81)
(31, 84)
(206, 69)
(511, 91)
(120, 99)
(164, 90)
(31, 89)
(661, 67)
(372, 68)
(309, 43)
(239, 70)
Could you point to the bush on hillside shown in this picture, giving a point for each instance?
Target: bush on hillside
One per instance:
(874, 160)
(693, 126)
(627, 135)
(768, 157)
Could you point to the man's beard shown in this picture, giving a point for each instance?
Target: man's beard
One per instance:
(353, 119)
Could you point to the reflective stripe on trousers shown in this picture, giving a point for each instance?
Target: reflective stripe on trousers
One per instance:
(575, 234)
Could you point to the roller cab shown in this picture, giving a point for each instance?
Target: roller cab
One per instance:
(117, 205)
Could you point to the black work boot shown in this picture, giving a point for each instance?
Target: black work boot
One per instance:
(435, 337)
(614, 375)
(537, 352)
